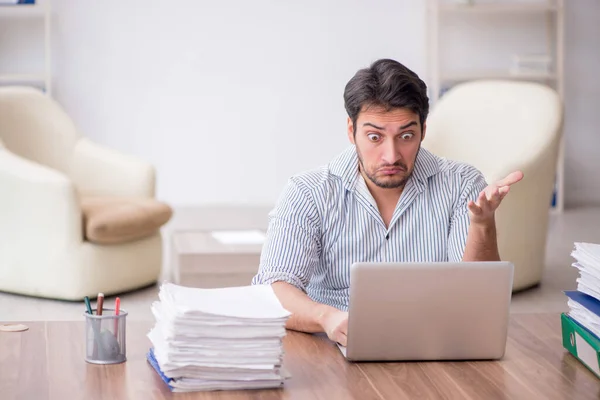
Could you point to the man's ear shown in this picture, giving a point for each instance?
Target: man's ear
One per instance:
(423, 130)
(350, 130)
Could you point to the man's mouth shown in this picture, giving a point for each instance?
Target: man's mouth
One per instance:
(391, 170)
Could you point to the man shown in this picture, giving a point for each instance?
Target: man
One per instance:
(383, 199)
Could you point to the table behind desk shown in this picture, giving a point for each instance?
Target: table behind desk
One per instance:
(47, 362)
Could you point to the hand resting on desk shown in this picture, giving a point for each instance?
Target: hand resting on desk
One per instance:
(310, 316)
(335, 325)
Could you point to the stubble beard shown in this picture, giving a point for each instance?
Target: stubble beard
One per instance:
(390, 182)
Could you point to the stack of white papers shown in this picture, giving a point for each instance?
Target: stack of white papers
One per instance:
(584, 303)
(218, 339)
(587, 260)
(585, 314)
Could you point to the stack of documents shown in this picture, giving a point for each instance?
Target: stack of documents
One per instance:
(581, 325)
(587, 260)
(218, 339)
(581, 301)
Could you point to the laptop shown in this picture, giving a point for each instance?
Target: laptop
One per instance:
(428, 311)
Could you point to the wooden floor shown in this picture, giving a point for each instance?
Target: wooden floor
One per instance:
(564, 230)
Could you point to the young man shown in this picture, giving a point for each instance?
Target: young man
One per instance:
(383, 199)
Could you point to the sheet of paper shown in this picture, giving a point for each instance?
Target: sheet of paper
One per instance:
(239, 237)
(342, 349)
(587, 256)
(256, 301)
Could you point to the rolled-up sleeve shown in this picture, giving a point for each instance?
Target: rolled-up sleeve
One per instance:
(459, 222)
(293, 241)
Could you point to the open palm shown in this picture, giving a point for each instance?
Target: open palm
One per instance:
(489, 199)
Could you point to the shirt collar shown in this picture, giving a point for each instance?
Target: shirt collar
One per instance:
(345, 166)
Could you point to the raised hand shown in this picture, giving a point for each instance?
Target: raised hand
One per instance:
(490, 198)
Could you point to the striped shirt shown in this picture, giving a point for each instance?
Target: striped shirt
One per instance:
(326, 219)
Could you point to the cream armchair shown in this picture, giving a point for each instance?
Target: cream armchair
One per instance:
(46, 167)
(499, 127)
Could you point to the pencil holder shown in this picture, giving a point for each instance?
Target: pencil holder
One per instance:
(105, 337)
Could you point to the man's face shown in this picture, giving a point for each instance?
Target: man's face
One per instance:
(387, 144)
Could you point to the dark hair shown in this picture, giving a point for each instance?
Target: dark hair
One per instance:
(389, 84)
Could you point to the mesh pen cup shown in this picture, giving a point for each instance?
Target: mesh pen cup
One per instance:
(105, 337)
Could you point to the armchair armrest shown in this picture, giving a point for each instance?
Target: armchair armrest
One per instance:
(99, 170)
(39, 210)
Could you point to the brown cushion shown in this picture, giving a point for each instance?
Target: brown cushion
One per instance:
(110, 220)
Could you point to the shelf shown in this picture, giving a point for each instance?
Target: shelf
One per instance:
(497, 8)
(22, 10)
(442, 80)
(499, 74)
(22, 78)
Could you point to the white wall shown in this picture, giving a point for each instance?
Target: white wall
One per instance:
(227, 98)
(582, 103)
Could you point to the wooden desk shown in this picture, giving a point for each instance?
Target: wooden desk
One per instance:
(47, 362)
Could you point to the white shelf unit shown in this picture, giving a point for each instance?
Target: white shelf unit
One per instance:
(41, 11)
(476, 7)
(449, 77)
(554, 13)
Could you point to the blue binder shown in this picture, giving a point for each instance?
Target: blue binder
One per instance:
(589, 302)
(152, 360)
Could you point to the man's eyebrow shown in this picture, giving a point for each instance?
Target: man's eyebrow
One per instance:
(381, 128)
(373, 125)
(409, 124)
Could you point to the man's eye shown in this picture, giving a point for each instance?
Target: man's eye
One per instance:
(373, 137)
(407, 136)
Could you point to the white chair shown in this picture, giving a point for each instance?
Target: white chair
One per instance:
(500, 127)
(46, 167)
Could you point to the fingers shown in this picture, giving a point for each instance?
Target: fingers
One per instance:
(341, 331)
(494, 198)
(474, 208)
(337, 327)
(344, 326)
(342, 339)
(339, 335)
(490, 198)
(510, 179)
(483, 201)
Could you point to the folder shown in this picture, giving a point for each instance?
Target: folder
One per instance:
(152, 360)
(585, 310)
(581, 343)
(589, 302)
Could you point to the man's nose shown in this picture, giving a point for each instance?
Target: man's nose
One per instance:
(390, 153)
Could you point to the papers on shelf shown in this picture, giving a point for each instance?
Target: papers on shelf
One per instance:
(531, 64)
(239, 237)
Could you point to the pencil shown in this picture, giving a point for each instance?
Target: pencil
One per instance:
(88, 306)
(117, 310)
(99, 303)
